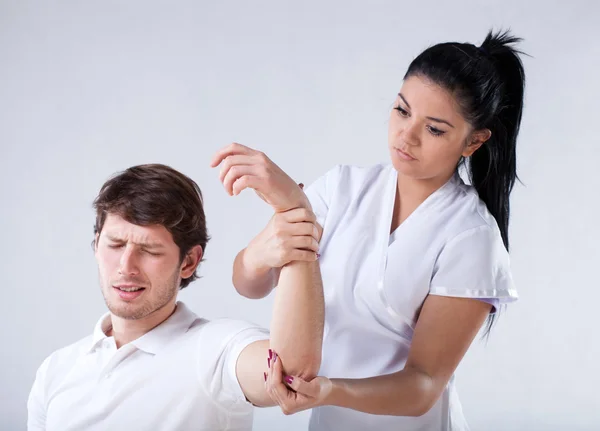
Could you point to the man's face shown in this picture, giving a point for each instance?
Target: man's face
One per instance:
(139, 267)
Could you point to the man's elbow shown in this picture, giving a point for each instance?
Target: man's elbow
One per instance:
(306, 366)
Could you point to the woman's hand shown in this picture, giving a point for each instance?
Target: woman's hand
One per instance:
(243, 167)
(292, 393)
(290, 236)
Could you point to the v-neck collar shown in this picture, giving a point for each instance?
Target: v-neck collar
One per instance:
(454, 179)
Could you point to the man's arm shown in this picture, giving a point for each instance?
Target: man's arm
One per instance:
(298, 313)
(296, 330)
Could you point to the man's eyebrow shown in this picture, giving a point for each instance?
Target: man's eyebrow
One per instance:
(144, 244)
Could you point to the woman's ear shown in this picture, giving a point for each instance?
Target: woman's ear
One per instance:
(476, 140)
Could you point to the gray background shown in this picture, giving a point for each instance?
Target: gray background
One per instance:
(90, 88)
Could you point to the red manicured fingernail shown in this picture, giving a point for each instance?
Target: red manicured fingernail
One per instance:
(270, 354)
(318, 255)
(275, 358)
(265, 376)
(269, 362)
(289, 379)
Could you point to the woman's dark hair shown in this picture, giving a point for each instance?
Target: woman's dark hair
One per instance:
(488, 83)
(156, 194)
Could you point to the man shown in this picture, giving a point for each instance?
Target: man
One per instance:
(151, 363)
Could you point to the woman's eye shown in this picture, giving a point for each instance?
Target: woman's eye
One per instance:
(435, 132)
(402, 111)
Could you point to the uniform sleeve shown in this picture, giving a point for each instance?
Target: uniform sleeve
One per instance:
(320, 192)
(222, 342)
(474, 264)
(36, 404)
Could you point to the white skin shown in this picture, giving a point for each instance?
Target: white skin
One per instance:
(427, 136)
(130, 255)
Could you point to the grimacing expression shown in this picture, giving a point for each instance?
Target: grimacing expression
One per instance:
(139, 267)
(427, 133)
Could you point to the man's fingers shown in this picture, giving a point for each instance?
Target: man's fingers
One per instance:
(229, 150)
(235, 173)
(244, 182)
(230, 161)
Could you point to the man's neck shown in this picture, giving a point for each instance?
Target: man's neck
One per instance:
(125, 331)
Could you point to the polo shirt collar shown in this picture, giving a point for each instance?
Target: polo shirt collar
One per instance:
(154, 340)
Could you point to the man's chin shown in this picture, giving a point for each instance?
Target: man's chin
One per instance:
(128, 310)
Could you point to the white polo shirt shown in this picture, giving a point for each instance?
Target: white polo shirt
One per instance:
(179, 376)
(375, 283)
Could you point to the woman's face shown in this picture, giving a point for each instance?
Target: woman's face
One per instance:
(427, 134)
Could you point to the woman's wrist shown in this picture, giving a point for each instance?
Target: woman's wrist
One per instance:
(336, 394)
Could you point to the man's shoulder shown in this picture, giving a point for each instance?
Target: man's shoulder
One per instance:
(63, 358)
(224, 329)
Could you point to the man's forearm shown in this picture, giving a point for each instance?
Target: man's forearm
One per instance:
(298, 315)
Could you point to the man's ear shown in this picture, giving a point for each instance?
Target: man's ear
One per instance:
(190, 262)
(476, 140)
(96, 238)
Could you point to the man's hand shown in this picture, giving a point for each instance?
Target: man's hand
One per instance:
(243, 167)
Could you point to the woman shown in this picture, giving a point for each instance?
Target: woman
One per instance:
(413, 260)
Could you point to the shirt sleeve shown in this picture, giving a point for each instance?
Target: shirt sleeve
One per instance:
(223, 342)
(474, 264)
(36, 404)
(320, 192)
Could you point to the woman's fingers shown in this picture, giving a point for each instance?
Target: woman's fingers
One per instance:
(308, 389)
(303, 243)
(275, 386)
(298, 215)
(302, 256)
(304, 229)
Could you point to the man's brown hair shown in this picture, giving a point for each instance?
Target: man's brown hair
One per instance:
(156, 194)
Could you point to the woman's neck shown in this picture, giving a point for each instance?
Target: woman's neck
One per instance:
(410, 193)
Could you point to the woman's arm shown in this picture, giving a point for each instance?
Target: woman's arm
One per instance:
(445, 329)
(250, 280)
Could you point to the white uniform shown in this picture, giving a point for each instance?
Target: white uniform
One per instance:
(375, 282)
(179, 376)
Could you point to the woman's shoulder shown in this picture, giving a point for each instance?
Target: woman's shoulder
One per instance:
(353, 176)
(466, 214)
